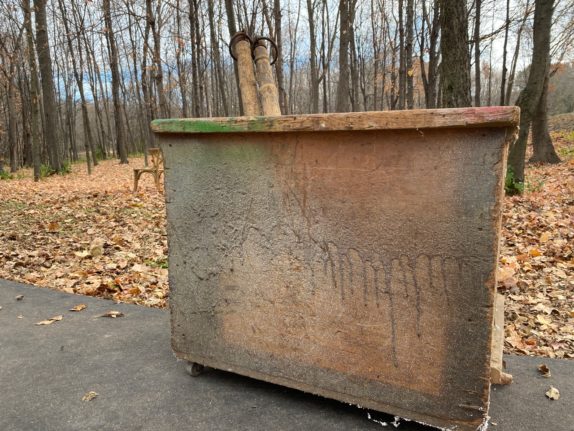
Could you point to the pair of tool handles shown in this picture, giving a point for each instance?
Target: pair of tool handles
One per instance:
(259, 95)
(254, 42)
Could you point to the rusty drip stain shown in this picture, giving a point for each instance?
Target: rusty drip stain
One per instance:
(444, 282)
(413, 263)
(388, 290)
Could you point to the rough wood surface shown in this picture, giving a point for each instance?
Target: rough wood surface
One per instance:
(267, 88)
(247, 83)
(355, 265)
(397, 120)
(497, 374)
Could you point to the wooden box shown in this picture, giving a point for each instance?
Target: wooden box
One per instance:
(348, 255)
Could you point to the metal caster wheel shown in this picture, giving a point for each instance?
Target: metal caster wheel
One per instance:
(194, 369)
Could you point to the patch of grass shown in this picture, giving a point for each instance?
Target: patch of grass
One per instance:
(511, 185)
(158, 263)
(534, 185)
(568, 151)
(46, 171)
(66, 168)
(6, 176)
(12, 205)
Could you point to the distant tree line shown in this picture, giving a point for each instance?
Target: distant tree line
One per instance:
(83, 79)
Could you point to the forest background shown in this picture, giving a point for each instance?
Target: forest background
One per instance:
(80, 81)
(118, 65)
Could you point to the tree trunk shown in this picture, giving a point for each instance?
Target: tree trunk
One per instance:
(279, 62)
(118, 120)
(409, 54)
(158, 70)
(232, 26)
(430, 77)
(12, 122)
(314, 81)
(504, 54)
(530, 96)
(88, 140)
(144, 126)
(402, 63)
(477, 54)
(353, 60)
(455, 67)
(193, 17)
(510, 84)
(48, 90)
(181, 73)
(217, 58)
(544, 151)
(343, 99)
(24, 89)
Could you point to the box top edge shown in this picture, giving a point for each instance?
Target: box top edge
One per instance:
(491, 116)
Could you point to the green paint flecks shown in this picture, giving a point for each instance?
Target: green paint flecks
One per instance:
(257, 124)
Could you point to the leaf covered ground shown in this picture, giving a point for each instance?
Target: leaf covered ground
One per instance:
(91, 235)
(86, 234)
(536, 269)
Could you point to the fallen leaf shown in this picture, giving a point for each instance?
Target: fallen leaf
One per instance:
(83, 254)
(543, 319)
(51, 320)
(534, 252)
(78, 307)
(97, 247)
(53, 226)
(90, 396)
(19, 297)
(113, 314)
(544, 370)
(553, 393)
(139, 268)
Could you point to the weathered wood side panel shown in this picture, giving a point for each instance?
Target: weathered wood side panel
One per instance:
(355, 265)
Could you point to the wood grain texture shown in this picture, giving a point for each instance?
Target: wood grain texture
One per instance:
(384, 120)
(247, 83)
(355, 265)
(266, 83)
(497, 374)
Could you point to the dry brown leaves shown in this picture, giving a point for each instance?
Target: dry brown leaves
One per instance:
(536, 271)
(86, 234)
(91, 235)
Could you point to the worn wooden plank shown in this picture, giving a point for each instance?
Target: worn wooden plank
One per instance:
(384, 120)
(497, 374)
(355, 265)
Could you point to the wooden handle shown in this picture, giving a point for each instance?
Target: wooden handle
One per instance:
(267, 88)
(247, 84)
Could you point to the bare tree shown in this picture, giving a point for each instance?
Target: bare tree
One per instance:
(48, 90)
(504, 51)
(118, 120)
(530, 97)
(343, 90)
(477, 53)
(455, 68)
